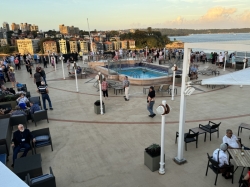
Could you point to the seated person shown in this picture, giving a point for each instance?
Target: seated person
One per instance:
(22, 101)
(193, 72)
(34, 107)
(232, 140)
(21, 139)
(5, 111)
(247, 177)
(219, 155)
(17, 111)
(78, 70)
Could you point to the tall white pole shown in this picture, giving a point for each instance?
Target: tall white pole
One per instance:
(62, 67)
(146, 52)
(164, 54)
(77, 90)
(163, 121)
(91, 45)
(82, 58)
(173, 85)
(55, 62)
(49, 58)
(179, 159)
(245, 61)
(225, 55)
(100, 90)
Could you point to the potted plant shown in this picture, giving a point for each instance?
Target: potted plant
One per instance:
(152, 156)
(97, 107)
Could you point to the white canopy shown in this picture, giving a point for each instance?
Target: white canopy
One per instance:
(9, 179)
(241, 77)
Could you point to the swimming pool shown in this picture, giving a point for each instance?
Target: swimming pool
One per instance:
(142, 73)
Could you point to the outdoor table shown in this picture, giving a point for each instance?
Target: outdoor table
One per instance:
(201, 131)
(30, 164)
(120, 89)
(240, 160)
(244, 126)
(5, 136)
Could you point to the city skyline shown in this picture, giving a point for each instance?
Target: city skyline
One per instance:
(113, 15)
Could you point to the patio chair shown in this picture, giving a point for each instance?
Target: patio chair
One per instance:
(40, 115)
(214, 166)
(211, 129)
(36, 100)
(188, 138)
(47, 180)
(43, 138)
(157, 88)
(18, 119)
(165, 88)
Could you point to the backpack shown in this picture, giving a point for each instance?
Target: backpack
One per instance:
(16, 61)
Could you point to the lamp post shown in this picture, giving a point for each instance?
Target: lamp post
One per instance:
(99, 77)
(61, 58)
(174, 69)
(49, 56)
(82, 58)
(75, 67)
(162, 110)
(225, 60)
(146, 52)
(54, 58)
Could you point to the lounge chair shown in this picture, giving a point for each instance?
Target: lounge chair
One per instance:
(165, 88)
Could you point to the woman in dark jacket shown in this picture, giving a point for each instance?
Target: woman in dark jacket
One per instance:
(151, 101)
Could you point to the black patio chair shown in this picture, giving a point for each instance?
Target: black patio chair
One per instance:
(211, 128)
(47, 180)
(188, 138)
(43, 138)
(40, 115)
(214, 166)
(18, 119)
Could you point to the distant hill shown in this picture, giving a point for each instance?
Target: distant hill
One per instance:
(185, 32)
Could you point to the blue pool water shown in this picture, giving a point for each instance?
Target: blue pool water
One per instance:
(141, 73)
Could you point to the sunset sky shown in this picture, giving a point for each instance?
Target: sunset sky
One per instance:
(113, 14)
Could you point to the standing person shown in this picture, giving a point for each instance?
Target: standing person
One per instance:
(37, 77)
(53, 62)
(126, 84)
(45, 61)
(105, 88)
(21, 139)
(16, 61)
(43, 90)
(29, 65)
(233, 60)
(12, 76)
(43, 74)
(68, 64)
(151, 101)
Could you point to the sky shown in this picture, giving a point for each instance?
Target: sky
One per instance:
(128, 14)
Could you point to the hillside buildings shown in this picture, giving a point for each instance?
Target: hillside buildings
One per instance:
(49, 47)
(26, 46)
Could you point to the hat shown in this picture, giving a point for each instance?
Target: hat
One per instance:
(223, 147)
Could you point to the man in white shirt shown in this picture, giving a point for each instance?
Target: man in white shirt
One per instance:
(231, 140)
(221, 60)
(219, 154)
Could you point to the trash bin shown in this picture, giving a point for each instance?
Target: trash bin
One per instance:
(178, 79)
(97, 107)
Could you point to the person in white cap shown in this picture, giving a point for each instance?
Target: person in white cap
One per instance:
(219, 155)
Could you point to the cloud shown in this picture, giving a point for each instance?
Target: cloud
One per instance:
(216, 17)
(218, 14)
(245, 16)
